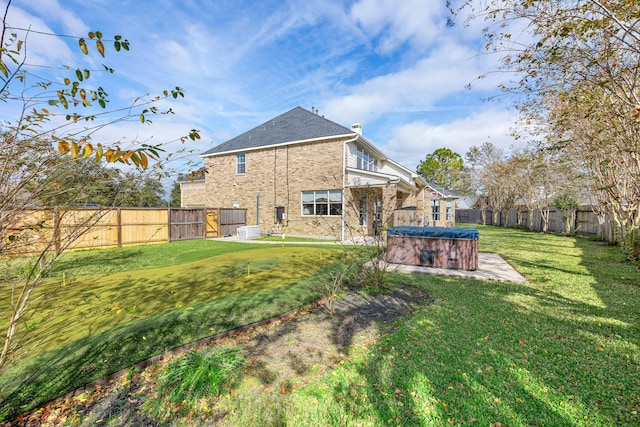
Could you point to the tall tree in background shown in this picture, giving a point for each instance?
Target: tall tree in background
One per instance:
(54, 124)
(481, 160)
(445, 168)
(176, 196)
(578, 77)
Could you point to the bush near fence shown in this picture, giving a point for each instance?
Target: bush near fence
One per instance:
(586, 221)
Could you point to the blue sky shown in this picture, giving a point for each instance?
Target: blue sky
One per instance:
(392, 66)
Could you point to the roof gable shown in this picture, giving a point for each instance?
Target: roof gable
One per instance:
(297, 124)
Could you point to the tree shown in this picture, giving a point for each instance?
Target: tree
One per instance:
(176, 196)
(54, 124)
(140, 190)
(567, 203)
(578, 79)
(446, 169)
(481, 160)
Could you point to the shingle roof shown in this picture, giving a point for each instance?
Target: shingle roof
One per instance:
(442, 190)
(297, 124)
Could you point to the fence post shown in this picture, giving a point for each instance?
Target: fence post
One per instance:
(204, 223)
(56, 229)
(119, 225)
(169, 224)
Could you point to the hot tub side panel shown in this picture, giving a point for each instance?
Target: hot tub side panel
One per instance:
(461, 254)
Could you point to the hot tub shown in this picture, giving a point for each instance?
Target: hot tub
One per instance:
(442, 247)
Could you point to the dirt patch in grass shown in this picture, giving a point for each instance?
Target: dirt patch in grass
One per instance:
(281, 357)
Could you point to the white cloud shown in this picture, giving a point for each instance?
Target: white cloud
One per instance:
(411, 142)
(439, 76)
(411, 21)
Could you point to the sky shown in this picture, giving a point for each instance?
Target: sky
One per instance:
(393, 66)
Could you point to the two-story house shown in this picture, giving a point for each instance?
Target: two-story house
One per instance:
(304, 175)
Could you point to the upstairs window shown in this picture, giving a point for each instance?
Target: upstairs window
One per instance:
(365, 160)
(240, 163)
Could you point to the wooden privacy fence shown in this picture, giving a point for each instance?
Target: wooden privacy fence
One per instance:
(586, 222)
(110, 227)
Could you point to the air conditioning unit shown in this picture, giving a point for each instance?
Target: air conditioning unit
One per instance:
(249, 232)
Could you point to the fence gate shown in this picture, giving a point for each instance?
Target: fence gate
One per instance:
(213, 223)
(225, 222)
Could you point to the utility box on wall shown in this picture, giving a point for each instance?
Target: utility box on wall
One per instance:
(279, 214)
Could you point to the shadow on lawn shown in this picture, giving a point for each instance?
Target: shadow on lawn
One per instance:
(501, 352)
(94, 357)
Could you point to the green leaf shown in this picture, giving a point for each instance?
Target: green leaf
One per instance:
(142, 118)
(116, 45)
(79, 75)
(87, 73)
(102, 103)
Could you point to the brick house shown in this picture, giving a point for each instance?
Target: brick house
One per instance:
(304, 175)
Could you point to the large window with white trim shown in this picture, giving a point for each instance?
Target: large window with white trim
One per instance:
(322, 203)
(365, 160)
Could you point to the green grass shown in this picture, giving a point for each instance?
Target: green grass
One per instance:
(292, 239)
(197, 375)
(562, 350)
(99, 324)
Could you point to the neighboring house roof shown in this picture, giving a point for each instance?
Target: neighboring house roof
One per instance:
(467, 202)
(442, 191)
(297, 124)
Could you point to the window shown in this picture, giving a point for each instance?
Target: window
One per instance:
(365, 160)
(326, 202)
(449, 210)
(240, 163)
(364, 207)
(435, 210)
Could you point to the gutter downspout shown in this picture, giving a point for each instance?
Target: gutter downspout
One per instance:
(344, 183)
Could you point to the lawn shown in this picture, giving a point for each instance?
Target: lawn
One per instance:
(562, 350)
(92, 324)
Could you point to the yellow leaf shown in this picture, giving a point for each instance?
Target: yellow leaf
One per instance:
(74, 150)
(518, 400)
(63, 146)
(83, 46)
(600, 348)
(87, 150)
(144, 162)
(100, 47)
(99, 152)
